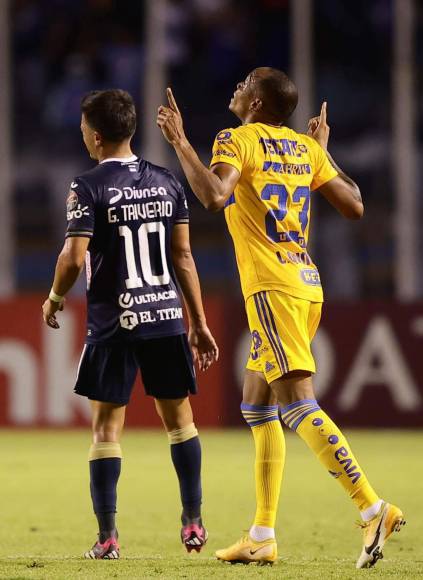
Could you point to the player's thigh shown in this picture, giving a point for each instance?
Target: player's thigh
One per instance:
(166, 366)
(314, 316)
(106, 373)
(108, 420)
(280, 334)
(174, 413)
(256, 391)
(292, 387)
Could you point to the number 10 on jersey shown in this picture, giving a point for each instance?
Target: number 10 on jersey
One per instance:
(135, 280)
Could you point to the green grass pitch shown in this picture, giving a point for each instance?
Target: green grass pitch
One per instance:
(46, 518)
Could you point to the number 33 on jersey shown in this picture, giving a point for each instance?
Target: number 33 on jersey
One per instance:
(268, 215)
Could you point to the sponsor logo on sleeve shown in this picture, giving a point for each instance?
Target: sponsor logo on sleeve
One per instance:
(223, 153)
(77, 213)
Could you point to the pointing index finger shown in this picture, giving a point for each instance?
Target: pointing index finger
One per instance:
(171, 99)
(323, 112)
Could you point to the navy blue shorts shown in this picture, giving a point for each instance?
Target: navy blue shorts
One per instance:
(107, 372)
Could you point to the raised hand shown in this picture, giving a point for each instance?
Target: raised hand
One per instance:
(318, 127)
(169, 119)
(204, 348)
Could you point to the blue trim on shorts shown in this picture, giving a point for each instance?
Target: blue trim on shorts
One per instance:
(268, 334)
(272, 320)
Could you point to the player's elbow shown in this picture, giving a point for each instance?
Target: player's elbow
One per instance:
(214, 205)
(72, 260)
(355, 211)
(181, 255)
(216, 202)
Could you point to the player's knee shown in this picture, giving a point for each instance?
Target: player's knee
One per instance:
(175, 414)
(293, 386)
(103, 433)
(256, 415)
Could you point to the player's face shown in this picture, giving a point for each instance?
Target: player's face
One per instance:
(90, 138)
(242, 97)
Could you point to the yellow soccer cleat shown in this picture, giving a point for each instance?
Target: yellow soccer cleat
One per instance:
(247, 550)
(376, 532)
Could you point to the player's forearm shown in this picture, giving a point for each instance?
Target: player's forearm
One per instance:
(187, 276)
(66, 274)
(207, 186)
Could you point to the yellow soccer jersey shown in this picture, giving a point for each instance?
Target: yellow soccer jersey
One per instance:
(268, 215)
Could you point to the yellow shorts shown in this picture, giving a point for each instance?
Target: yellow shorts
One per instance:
(282, 328)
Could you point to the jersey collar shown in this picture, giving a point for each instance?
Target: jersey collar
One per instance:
(120, 159)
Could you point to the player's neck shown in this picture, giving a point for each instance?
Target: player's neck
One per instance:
(115, 152)
(260, 119)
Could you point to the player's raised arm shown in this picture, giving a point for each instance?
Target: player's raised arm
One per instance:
(202, 343)
(211, 187)
(341, 191)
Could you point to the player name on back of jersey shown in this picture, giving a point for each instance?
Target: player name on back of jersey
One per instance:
(159, 208)
(280, 148)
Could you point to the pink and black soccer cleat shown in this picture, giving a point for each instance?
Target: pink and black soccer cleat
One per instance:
(109, 550)
(194, 537)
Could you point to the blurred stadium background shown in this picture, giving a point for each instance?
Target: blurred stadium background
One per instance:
(364, 58)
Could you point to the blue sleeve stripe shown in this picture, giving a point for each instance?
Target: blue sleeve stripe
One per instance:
(230, 200)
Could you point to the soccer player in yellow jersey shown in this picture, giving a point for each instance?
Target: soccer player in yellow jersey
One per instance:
(263, 174)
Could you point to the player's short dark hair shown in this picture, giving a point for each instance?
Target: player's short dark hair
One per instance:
(279, 94)
(111, 113)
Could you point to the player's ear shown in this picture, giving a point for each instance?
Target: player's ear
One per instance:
(256, 105)
(98, 140)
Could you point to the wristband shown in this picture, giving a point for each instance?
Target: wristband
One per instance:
(55, 297)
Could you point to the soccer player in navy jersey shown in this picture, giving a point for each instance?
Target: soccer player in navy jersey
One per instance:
(128, 220)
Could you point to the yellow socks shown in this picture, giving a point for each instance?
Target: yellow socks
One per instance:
(270, 458)
(330, 446)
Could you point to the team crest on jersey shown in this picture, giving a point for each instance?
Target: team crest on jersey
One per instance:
(224, 137)
(71, 201)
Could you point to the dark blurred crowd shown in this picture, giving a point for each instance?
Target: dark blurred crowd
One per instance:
(64, 48)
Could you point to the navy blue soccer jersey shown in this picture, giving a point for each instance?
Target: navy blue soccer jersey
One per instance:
(128, 208)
